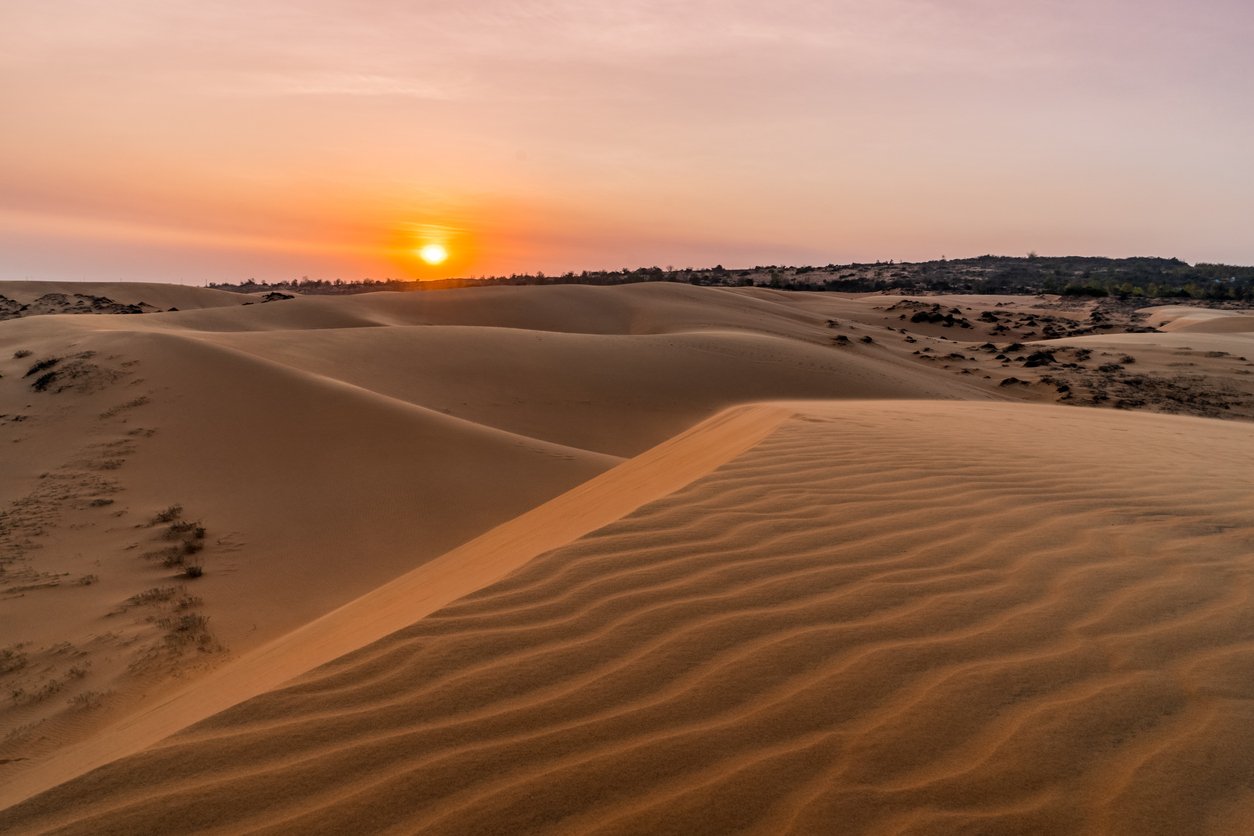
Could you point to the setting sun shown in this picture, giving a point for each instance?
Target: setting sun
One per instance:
(433, 254)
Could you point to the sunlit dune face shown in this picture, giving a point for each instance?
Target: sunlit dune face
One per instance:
(433, 254)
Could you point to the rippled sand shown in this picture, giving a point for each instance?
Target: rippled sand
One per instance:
(884, 617)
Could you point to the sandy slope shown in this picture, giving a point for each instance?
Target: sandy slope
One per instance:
(311, 492)
(1201, 320)
(912, 617)
(614, 394)
(322, 462)
(337, 451)
(399, 603)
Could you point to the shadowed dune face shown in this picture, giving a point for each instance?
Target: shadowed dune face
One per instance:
(611, 394)
(884, 617)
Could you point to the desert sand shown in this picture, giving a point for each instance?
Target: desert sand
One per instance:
(652, 558)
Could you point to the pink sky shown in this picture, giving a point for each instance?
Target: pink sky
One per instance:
(164, 140)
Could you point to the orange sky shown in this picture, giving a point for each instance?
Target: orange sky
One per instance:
(179, 141)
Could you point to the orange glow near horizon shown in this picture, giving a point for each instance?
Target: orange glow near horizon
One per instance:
(426, 250)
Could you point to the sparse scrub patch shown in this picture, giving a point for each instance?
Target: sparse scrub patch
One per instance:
(21, 696)
(187, 602)
(42, 365)
(87, 700)
(42, 382)
(186, 628)
(170, 514)
(173, 610)
(151, 597)
(20, 353)
(170, 556)
(132, 404)
(188, 538)
(190, 622)
(12, 659)
(184, 528)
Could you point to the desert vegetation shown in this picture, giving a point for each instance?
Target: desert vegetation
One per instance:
(187, 538)
(1167, 279)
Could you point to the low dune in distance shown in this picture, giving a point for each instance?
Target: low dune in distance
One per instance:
(652, 558)
(57, 297)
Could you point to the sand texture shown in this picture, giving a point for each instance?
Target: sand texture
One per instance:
(644, 559)
(844, 629)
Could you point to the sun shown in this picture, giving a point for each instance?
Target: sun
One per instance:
(433, 254)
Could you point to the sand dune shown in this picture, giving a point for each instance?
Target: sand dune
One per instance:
(614, 394)
(310, 492)
(1201, 320)
(162, 296)
(401, 602)
(909, 617)
(893, 614)
(629, 309)
(321, 462)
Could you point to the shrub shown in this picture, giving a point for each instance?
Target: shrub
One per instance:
(170, 556)
(12, 659)
(170, 514)
(149, 597)
(42, 365)
(42, 382)
(182, 528)
(187, 602)
(87, 700)
(189, 622)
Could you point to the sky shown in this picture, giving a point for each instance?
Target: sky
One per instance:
(167, 140)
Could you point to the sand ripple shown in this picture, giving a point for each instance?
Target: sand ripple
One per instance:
(911, 618)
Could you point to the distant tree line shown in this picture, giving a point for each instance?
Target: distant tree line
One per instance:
(1129, 278)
